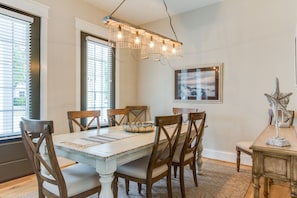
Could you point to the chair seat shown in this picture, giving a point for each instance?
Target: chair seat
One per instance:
(78, 178)
(138, 168)
(176, 157)
(245, 146)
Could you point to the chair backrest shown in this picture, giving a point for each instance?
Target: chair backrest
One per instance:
(194, 134)
(288, 118)
(168, 127)
(117, 117)
(184, 111)
(138, 113)
(46, 167)
(83, 119)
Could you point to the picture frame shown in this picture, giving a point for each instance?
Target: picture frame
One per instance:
(200, 83)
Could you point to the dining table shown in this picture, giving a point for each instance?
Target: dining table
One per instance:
(106, 149)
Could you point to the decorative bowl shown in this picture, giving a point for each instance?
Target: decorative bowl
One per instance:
(139, 127)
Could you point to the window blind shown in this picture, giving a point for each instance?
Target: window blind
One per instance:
(15, 48)
(100, 75)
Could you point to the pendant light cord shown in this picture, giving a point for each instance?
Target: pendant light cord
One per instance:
(170, 20)
(165, 5)
(117, 7)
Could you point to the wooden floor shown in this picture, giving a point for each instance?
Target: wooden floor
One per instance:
(16, 188)
(277, 190)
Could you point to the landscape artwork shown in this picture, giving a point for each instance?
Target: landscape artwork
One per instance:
(198, 84)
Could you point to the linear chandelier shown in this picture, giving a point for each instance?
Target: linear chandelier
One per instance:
(122, 34)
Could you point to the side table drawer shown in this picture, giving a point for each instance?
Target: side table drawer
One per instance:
(275, 166)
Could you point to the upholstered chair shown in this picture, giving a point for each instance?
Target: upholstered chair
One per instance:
(150, 169)
(78, 180)
(186, 153)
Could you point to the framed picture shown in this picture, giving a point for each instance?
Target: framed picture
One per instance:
(199, 83)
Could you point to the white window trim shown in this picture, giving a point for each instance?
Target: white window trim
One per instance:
(16, 15)
(40, 10)
(96, 30)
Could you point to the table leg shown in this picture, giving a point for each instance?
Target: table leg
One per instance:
(294, 189)
(106, 170)
(266, 182)
(199, 157)
(256, 180)
(106, 181)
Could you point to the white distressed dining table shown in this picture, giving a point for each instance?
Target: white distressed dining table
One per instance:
(106, 149)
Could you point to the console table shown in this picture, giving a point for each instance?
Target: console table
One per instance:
(275, 162)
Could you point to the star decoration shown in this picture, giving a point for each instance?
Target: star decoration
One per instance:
(278, 100)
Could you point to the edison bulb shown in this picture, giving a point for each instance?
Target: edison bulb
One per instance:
(164, 48)
(152, 44)
(173, 49)
(120, 34)
(137, 40)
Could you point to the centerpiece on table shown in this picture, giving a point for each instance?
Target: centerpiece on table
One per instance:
(139, 127)
(279, 101)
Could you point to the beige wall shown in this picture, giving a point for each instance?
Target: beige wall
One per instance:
(255, 41)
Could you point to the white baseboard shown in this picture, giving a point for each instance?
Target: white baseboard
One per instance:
(227, 156)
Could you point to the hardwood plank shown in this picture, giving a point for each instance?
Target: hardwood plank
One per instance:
(277, 189)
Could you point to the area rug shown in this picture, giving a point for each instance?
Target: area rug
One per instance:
(217, 181)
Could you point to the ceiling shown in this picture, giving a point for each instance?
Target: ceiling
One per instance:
(139, 12)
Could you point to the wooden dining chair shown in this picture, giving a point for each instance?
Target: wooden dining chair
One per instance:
(184, 111)
(85, 120)
(138, 113)
(117, 117)
(150, 169)
(185, 153)
(78, 180)
(244, 146)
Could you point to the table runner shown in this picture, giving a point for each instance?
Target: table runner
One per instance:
(86, 142)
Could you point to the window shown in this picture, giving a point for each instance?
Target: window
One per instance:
(19, 70)
(97, 76)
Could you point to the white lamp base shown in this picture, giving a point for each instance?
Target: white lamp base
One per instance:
(278, 141)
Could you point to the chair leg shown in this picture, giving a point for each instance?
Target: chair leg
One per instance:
(149, 190)
(139, 188)
(181, 181)
(238, 159)
(127, 186)
(41, 195)
(115, 187)
(175, 170)
(194, 172)
(169, 188)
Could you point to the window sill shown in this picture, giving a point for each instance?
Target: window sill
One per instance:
(10, 139)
